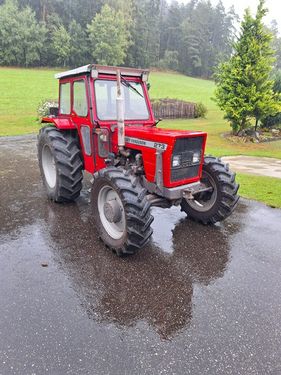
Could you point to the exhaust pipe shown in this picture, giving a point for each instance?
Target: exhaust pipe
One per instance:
(120, 113)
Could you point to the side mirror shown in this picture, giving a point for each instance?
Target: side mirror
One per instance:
(148, 85)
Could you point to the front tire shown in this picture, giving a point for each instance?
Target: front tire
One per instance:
(60, 164)
(218, 204)
(121, 211)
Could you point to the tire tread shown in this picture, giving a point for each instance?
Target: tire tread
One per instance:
(228, 193)
(137, 209)
(68, 158)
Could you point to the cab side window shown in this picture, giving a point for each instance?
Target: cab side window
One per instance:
(80, 104)
(65, 98)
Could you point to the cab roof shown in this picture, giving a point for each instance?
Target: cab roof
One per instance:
(95, 70)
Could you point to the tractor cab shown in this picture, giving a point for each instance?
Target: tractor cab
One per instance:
(105, 126)
(94, 88)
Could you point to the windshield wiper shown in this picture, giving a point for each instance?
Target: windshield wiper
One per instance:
(127, 84)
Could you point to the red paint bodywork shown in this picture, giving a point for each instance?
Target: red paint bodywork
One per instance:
(145, 130)
(168, 137)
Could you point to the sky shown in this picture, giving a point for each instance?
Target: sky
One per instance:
(273, 6)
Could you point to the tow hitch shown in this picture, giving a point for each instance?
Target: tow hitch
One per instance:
(189, 194)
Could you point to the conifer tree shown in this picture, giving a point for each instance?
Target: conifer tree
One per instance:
(244, 89)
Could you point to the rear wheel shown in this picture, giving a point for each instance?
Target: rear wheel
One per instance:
(60, 164)
(121, 211)
(218, 203)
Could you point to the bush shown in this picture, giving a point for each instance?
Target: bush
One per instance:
(44, 106)
(200, 110)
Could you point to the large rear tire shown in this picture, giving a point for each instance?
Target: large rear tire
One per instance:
(121, 211)
(217, 204)
(60, 164)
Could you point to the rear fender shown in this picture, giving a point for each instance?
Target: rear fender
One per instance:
(60, 123)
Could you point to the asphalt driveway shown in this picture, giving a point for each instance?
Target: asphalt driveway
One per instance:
(196, 300)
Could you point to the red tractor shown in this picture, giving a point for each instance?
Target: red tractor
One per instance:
(105, 125)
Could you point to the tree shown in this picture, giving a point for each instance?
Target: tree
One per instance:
(204, 37)
(109, 37)
(9, 42)
(149, 33)
(170, 38)
(48, 55)
(169, 61)
(244, 89)
(272, 121)
(78, 45)
(21, 37)
(145, 51)
(32, 37)
(61, 44)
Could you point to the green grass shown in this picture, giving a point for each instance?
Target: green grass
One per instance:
(263, 189)
(21, 90)
(178, 86)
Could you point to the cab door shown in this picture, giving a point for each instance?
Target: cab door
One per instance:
(80, 114)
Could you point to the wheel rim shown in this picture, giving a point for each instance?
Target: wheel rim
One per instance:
(112, 213)
(205, 201)
(49, 166)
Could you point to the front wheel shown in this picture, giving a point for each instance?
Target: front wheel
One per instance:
(218, 203)
(121, 211)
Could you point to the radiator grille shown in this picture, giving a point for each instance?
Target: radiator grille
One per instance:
(186, 147)
(184, 173)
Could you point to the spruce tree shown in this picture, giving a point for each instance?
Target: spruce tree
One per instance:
(244, 89)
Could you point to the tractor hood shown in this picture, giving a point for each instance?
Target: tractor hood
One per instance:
(156, 137)
(152, 140)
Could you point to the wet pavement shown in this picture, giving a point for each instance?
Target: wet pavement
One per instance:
(196, 300)
(269, 167)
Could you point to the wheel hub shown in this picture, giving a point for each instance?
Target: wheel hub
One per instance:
(205, 200)
(112, 211)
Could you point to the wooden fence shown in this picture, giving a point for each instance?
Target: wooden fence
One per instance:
(171, 108)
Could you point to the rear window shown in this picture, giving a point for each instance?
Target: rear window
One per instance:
(65, 98)
(80, 105)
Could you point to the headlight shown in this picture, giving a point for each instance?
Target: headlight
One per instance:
(196, 157)
(176, 162)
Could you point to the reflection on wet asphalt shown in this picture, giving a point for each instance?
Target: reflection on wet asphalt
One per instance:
(196, 300)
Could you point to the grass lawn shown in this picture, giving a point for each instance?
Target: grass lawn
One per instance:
(21, 90)
(263, 189)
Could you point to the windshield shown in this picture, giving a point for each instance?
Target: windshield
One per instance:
(134, 101)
